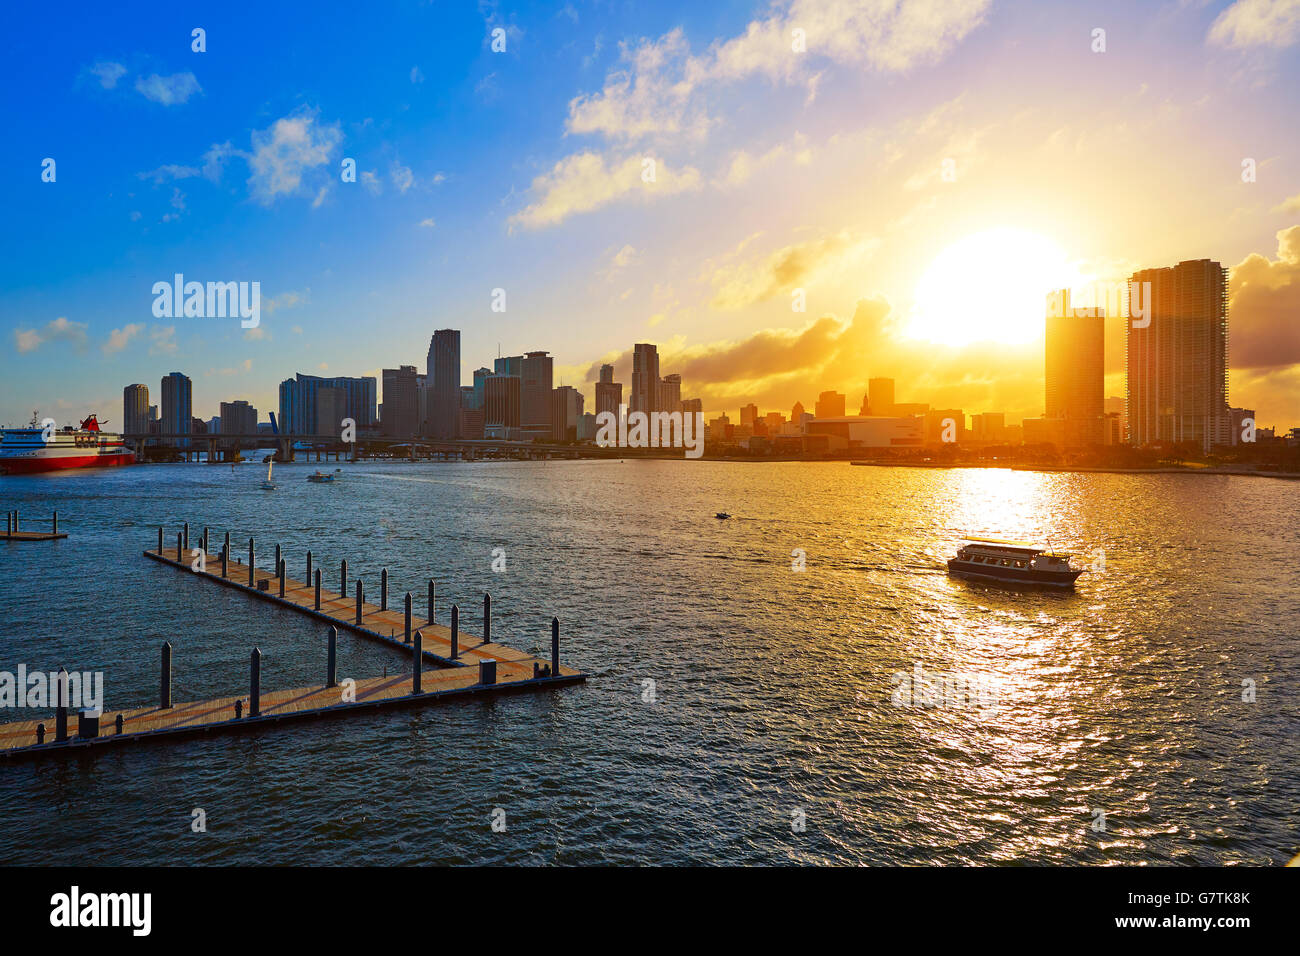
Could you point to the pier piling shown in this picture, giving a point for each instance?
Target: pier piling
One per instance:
(187, 535)
(160, 537)
(487, 618)
(318, 589)
(555, 645)
(254, 683)
(277, 556)
(252, 581)
(383, 589)
(308, 577)
(343, 579)
(117, 725)
(61, 712)
(40, 733)
(360, 599)
(431, 605)
(417, 657)
(54, 524)
(165, 679)
(280, 570)
(455, 630)
(408, 617)
(179, 538)
(332, 660)
(225, 561)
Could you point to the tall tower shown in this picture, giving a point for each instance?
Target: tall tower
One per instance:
(176, 407)
(1074, 368)
(880, 396)
(1178, 358)
(645, 378)
(535, 395)
(609, 393)
(443, 380)
(135, 410)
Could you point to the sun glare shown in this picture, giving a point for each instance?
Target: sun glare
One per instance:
(990, 287)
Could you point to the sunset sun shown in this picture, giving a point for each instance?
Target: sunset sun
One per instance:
(989, 287)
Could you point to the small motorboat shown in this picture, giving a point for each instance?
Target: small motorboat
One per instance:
(1015, 563)
(267, 483)
(722, 516)
(320, 477)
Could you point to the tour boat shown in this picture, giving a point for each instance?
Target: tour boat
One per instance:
(1013, 562)
(42, 448)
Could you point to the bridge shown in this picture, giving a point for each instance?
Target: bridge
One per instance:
(224, 447)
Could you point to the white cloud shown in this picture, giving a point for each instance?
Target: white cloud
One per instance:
(287, 149)
(371, 182)
(401, 176)
(108, 73)
(168, 90)
(169, 172)
(162, 340)
(287, 300)
(417, 76)
(428, 223)
(1250, 23)
(583, 182)
(57, 330)
(118, 338)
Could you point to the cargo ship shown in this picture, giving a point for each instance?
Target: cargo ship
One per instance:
(38, 447)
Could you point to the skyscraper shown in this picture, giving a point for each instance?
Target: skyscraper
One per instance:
(135, 410)
(1074, 367)
(1178, 356)
(609, 393)
(501, 407)
(401, 405)
(535, 395)
(566, 410)
(748, 413)
(829, 405)
(444, 381)
(176, 407)
(305, 411)
(645, 378)
(880, 396)
(670, 393)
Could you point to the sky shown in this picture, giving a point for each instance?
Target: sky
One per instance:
(787, 197)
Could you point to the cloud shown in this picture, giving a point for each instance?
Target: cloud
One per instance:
(1251, 23)
(401, 176)
(57, 330)
(287, 300)
(118, 338)
(623, 257)
(371, 182)
(791, 267)
(1264, 307)
(583, 182)
(168, 173)
(417, 75)
(162, 340)
(286, 150)
(108, 73)
(1290, 205)
(428, 223)
(168, 90)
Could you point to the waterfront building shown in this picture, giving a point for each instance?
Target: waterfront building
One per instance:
(176, 408)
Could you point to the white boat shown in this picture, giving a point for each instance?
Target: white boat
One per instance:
(268, 484)
(321, 477)
(1014, 563)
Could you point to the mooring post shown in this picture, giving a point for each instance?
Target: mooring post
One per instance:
(487, 672)
(16, 526)
(239, 709)
(408, 617)
(360, 599)
(225, 561)
(280, 568)
(343, 579)
(308, 578)
(318, 589)
(418, 658)
(55, 523)
(160, 537)
(332, 661)
(40, 733)
(205, 540)
(455, 629)
(187, 536)
(165, 679)
(178, 547)
(277, 555)
(487, 618)
(118, 724)
(61, 713)
(255, 683)
(251, 578)
(555, 647)
(431, 605)
(383, 589)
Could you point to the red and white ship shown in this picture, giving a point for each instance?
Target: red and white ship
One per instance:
(24, 451)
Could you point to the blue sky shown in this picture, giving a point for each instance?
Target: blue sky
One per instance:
(519, 170)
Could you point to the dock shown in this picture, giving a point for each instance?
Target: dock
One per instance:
(460, 664)
(12, 532)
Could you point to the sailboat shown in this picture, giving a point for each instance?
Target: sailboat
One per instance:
(268, 484)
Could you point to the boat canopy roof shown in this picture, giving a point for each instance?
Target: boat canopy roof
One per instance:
(1005, 545)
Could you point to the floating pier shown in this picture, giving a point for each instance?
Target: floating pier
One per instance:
(13, 533)
(463, 664)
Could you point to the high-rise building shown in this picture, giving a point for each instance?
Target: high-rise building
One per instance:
(535, 395)
(1074, 367)
(690, 406)
(645, 378)
(829, 405)
(135, 410)
(566, 411)
(880, 396)
(401, 401)
(501, 407)
(796, 413)
(748, 414)
(1178, 356)
(609, 393)
(989, 426)
(480, 375)
(238, 418)
(508, 365)
(670, 393)
(302, 414)
(176, 407)
(444, 381)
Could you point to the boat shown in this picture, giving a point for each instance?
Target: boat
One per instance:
(39, 447)
(268, 484)
(722, 516)
(321, 477)
(1013, 562)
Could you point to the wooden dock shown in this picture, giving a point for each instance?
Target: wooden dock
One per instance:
(12, 532)
(463, 665)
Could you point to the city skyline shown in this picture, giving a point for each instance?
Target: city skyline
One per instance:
(917, 237)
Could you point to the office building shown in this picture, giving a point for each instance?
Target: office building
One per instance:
(566, 410)
(176, 408)
(880, 396)
(501, 407)
(829, 405)
(135, 410)
(302, 414)
(443, 379)
(401, 402)
(609, 393)
(645, 378)
(1074, 369)
(670, 393)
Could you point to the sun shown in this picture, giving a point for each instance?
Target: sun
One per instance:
(990, 287)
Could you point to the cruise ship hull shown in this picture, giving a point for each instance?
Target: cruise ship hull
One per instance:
(24, 465)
